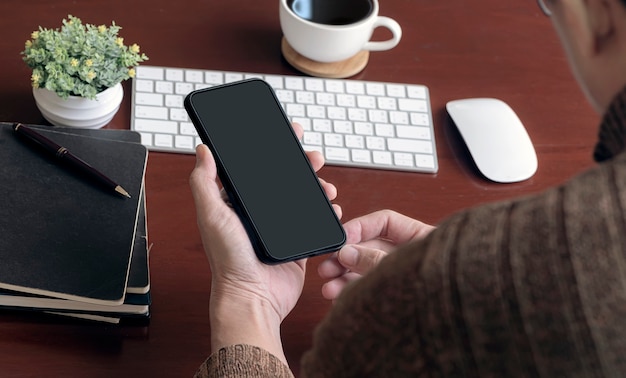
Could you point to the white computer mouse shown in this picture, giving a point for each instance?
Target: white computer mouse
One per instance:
(495, 137)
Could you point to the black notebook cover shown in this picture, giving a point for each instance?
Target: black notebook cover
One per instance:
(139, 276)
(63, 235)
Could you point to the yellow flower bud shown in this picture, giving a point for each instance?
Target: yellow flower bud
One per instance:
(34, 78)
(131, 72)
(134, 48)
(34, 35)
(102, 28)
(29, 43)
(120, 41)
(74, 62)
(91, 75)
(89, 62)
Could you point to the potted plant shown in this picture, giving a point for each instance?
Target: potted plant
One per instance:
(77, 72)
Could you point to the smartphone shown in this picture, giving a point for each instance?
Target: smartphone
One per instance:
(265, 172)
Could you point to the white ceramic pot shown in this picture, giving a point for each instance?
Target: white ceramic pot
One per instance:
(79, 111)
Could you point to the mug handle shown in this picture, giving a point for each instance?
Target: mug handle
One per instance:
(395, 29)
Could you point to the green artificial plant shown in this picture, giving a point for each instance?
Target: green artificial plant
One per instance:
(80, 59)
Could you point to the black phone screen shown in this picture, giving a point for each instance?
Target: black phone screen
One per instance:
(265, 172)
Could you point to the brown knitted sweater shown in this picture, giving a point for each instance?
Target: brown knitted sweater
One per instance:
(534, 286)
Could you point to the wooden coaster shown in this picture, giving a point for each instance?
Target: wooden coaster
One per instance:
(334, 70)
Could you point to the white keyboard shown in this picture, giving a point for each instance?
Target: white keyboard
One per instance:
(353, 123)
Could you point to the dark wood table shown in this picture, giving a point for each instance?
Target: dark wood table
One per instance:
(457, 48)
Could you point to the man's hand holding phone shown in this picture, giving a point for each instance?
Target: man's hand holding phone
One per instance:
(249, 299)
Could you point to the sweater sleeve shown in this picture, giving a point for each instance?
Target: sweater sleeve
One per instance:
(531, 287)
(243, 361)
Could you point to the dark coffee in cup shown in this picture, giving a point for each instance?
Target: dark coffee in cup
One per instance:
(331, 12)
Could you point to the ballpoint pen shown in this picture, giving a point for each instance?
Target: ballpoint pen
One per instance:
(66, 156)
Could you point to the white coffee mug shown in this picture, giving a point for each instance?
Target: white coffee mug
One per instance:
(327, 43)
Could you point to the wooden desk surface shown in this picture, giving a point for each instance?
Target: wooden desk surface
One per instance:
(457, 48)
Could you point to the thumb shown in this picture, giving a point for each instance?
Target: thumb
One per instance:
(360, 259)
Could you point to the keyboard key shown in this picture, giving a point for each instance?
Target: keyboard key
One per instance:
(410, 105)
(361, 156)
(152, 112)
(323, 125)
(232, 76)
(385, 130)
(296, 110)
(413, 132)
(314, 85)
(409, 145)
(387, 103)
(153, 99)
(163, 140)
(416, 92)
(334, 140)
(334, 86)
(184, 141)
(378, 116)
(174, 75)
(367, 102)
(151, 73)
(364, 128)
(146, 139)
(375, 89)
(305, 97)
(355, 87)
(346, 100)
(275, 81)
(285, 96)
(403, 159)
(356, 114)
(312, 138)
(187, 128)
(382, 157)
(304, 122)
(419, 119)
(155, 126)
(164, 87)
(396, 91)
(337, 154)
(314, 111)
(174, 101)
(184, 88)
(426, 161)
(179, 115)
(375, 143)
(294, 83)
(355, 141)
(326, 99)
(343, 127)
(399, 118)
(144, 85)
(334, 112)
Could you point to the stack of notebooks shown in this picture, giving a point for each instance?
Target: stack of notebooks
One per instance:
(68, 245)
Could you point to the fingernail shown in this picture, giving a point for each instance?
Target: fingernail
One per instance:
(348, 255)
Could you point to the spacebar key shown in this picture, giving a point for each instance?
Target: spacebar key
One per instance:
(154, 126)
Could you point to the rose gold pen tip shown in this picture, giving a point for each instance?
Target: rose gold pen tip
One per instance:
(121, 191)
